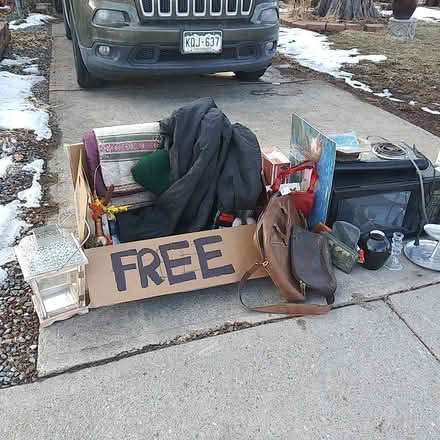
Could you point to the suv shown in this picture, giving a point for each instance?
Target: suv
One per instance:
(117, 38)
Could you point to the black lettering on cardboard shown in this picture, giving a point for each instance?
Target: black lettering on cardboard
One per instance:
(119, 268)
(171, 264)
(205, 256)
(150, 269)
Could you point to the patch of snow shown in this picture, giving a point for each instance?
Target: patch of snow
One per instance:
(5, 7)
(32, 20)
(396, 99)
(428, 110)
(32, 195)
(436, 103)
(412, 102)
(33, 69)
(5, 163)
(3, 275)
(427, 14)
(18, 61)
(10, 225)
(314, 51)
(16, 110)
(353, 83)
(7, 254)
(284, 10)
(385, 13)
(385, 94)
(7, 148)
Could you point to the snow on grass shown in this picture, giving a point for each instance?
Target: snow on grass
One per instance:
(16, 110)
(427, 14)
(385, 13)
(32, 20)
(10, 228)
(32, 195)
(5, 163)
(428, 110)
(313, 50)
(421, 13)
(17, 61)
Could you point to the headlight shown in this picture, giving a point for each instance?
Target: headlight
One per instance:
(107, 17)
(269, 16)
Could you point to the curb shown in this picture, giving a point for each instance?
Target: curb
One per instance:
(324, 26)
(4, 37)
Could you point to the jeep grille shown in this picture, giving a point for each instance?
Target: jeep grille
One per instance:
(196, 8)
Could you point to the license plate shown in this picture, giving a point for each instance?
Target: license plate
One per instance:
(202, 42)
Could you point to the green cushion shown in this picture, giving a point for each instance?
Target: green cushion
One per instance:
(153, 171)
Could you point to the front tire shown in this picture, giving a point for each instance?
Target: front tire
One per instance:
(58, 6)
(83, 76)
(250, 76)
(67, 29)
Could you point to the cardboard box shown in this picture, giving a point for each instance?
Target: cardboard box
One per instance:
(147, 268)
(273, 162)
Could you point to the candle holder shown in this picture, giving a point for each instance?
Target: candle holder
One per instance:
(53, 263)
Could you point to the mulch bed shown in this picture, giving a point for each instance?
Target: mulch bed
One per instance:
(19, 326)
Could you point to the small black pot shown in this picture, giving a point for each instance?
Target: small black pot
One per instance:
(377, 249)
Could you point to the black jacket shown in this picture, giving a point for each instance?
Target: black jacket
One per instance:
(215, 165)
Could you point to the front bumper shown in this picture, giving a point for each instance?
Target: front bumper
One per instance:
(157, 50)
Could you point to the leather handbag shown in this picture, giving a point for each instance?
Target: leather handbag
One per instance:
(272, 238)
(303, 200)
(311, 263)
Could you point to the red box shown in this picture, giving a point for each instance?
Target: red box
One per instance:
(273, 162)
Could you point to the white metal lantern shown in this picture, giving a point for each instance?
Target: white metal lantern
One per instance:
(53, 263)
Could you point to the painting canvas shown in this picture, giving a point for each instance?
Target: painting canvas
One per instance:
(308, 143)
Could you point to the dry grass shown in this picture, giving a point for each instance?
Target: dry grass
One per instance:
(300, 9)
(412, 70)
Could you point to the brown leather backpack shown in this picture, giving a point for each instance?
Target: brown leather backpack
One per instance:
(272, 238)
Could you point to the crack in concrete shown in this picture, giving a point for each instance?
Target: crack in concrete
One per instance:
(393, 309)
(228, 327)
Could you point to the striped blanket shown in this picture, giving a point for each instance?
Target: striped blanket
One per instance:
(113, 151)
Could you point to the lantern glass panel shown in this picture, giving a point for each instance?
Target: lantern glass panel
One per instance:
(59, 293)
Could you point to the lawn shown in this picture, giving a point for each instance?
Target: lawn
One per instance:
(411, 71)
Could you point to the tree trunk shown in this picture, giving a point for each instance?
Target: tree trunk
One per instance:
(19, 8)
(347, 9)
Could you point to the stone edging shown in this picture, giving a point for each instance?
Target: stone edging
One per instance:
(4, 37)
(324, 26)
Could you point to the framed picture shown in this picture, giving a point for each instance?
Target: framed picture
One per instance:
(308, 143)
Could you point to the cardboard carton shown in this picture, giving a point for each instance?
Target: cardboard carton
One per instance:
(147, 268)
(273, 162)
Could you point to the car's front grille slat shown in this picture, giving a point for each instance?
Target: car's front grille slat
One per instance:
(196, 8)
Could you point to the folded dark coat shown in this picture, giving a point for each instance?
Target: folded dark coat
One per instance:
(214, 166)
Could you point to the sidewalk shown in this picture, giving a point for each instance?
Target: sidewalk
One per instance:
(197, 365)
(362, 372)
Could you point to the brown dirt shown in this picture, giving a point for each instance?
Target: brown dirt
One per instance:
(411, 72)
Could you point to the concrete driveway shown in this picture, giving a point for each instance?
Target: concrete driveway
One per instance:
(368, 370)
